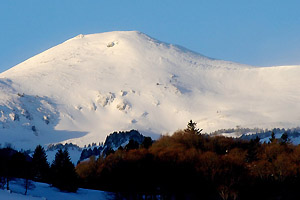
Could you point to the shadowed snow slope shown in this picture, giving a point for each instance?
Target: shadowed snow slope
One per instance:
(92, 85)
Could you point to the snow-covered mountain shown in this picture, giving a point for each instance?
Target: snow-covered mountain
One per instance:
(92, 85)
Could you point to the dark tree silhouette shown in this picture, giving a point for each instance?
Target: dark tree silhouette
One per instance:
(132, 144)
(284, 138)
(6, 171)
(109, 151)
(272, 139)
(191, 127)
(253, 149)
(63, 173)
(40, 166)
(147, 142)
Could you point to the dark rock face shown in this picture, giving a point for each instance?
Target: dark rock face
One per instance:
(118, 139)
(113, 141)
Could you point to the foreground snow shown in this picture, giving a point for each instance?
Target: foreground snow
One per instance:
(43, 191)
(7, 195)
(92, 85)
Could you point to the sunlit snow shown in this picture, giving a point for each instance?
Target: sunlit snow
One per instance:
(92, 85)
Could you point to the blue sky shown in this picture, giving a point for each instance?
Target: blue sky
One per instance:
(255, 32)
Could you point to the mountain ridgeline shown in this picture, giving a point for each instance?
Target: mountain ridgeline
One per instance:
(92, 85)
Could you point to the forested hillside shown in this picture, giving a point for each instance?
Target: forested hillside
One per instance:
(191, 165)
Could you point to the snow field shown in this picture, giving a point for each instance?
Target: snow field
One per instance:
(92, 85)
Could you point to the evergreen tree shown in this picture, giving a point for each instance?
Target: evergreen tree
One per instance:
(6, 171)
(64, 176)
(132, 144)
(256, 140)
(85, 154)
(191, 127)
(253, 149)
(284, 138)
(96, 151)
(40, 166)
(19, 165)
(272, 139)
(108, 151)
(147, 142)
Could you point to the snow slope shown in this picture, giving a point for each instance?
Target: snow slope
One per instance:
(43, 191)
(92, 85)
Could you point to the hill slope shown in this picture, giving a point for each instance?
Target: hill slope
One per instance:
(92, 85)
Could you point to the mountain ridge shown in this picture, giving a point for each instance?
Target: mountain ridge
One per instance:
(91, 85)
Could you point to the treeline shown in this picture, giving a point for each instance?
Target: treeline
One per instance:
(243, 133)
(189, 165)
(14, 164)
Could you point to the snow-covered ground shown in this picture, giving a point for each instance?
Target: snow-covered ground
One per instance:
(43, 191)
(92, 85)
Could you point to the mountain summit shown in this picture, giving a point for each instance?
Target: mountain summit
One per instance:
(92, 85)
